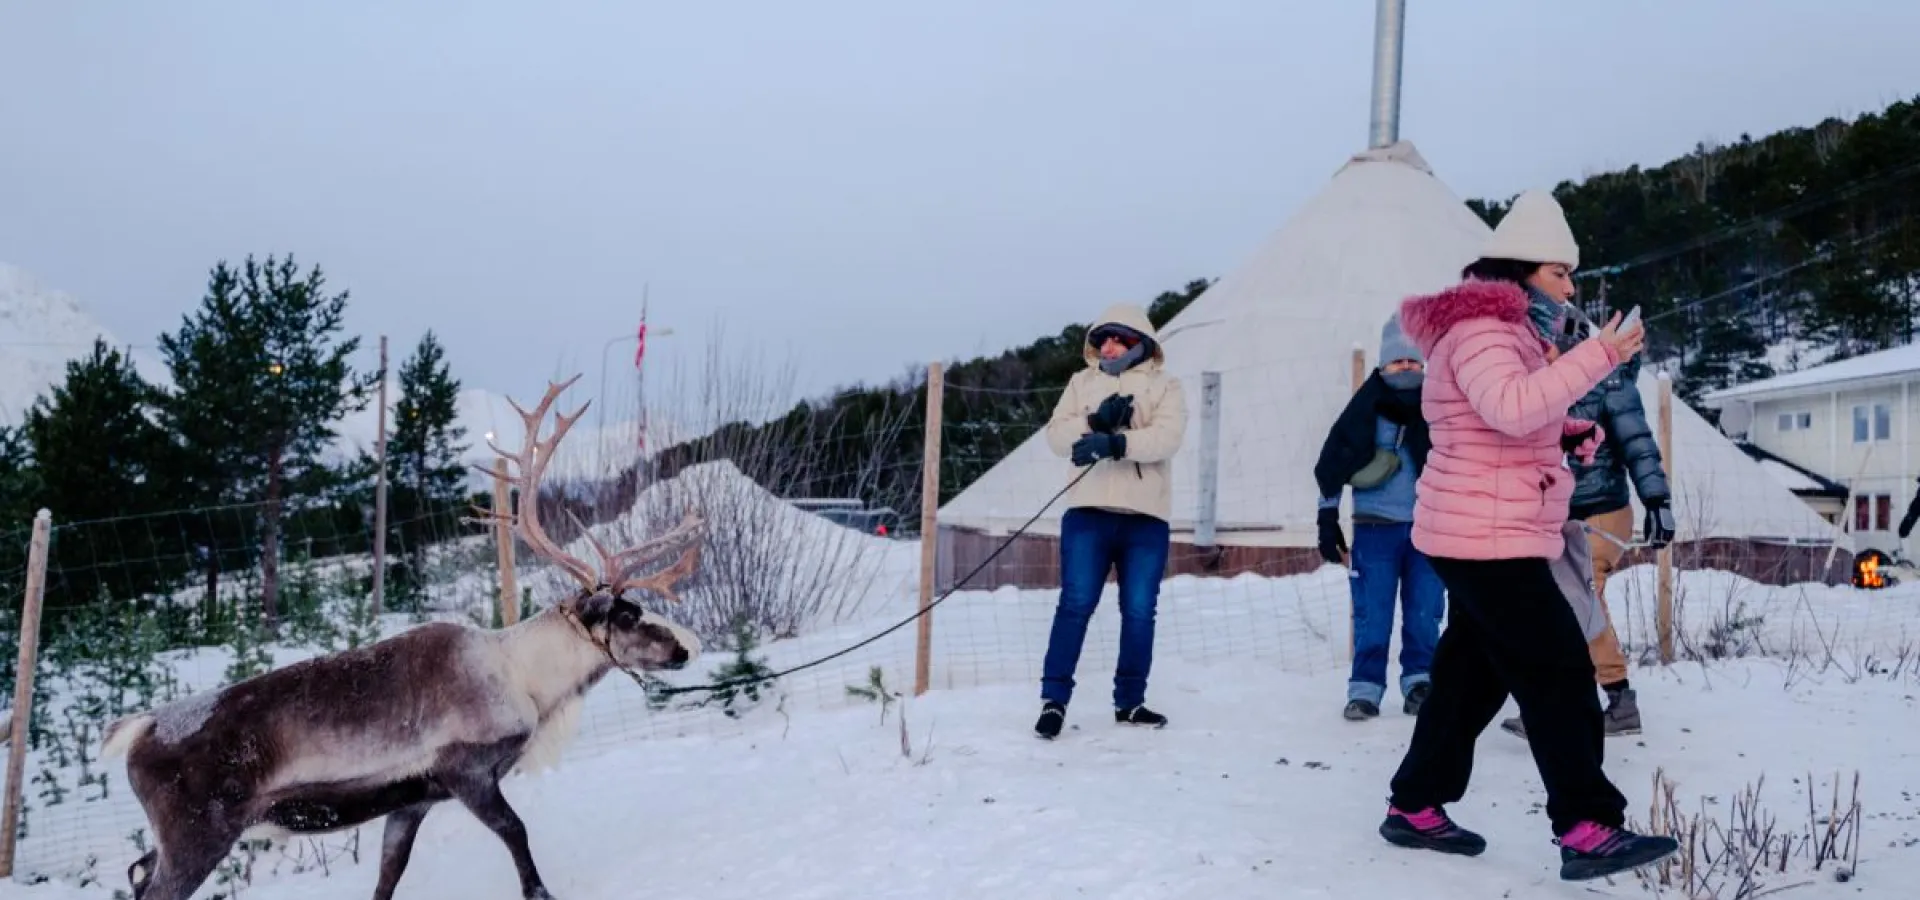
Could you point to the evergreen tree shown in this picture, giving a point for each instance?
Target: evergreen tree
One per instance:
(261, 378)
(18, 485)
(98, 454)
(425, 475)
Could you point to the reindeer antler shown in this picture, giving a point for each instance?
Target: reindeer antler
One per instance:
(531, 462)
(616, 569)
(684, 537)
(664, 581)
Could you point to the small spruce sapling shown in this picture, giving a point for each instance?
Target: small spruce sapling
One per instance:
(876, 691)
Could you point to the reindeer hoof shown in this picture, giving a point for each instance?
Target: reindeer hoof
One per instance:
(539, 893)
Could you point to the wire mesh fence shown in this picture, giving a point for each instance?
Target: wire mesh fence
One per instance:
(143, 610)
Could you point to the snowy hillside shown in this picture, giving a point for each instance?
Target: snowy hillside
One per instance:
(40, 330)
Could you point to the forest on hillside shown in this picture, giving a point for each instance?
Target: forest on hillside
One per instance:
(1805, 235)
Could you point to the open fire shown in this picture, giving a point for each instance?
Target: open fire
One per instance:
(1870, 570)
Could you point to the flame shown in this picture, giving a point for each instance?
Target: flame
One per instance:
(1866, 572)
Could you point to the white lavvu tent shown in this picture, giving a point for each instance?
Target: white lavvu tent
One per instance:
(1281, 331)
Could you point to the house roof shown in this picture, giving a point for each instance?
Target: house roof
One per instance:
(1799, 479)
(1885, 366)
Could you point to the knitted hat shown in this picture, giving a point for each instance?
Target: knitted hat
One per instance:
(1534, 230)
(1395, 345)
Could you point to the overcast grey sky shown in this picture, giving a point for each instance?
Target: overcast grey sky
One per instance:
(863, 185)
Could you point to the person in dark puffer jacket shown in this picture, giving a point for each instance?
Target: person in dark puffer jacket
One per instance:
(1629, 456)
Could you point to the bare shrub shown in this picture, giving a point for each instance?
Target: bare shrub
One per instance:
(1743, 850)
(767, 565)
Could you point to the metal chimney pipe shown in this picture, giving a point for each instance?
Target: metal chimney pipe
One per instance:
(1389, 30)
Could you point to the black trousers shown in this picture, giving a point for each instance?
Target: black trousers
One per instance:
(1510, 631)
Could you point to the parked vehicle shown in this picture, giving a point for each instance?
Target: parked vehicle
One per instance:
(881, 521)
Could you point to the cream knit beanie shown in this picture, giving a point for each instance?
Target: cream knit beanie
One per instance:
(1534, 230)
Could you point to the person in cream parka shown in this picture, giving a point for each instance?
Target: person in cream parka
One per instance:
(1126, 417)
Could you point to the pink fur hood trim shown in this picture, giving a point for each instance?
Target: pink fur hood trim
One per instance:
(1428, 318)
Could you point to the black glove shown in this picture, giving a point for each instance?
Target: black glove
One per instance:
(1092, 448)
(1333, 544)
(1659, 523)
(1114, 413)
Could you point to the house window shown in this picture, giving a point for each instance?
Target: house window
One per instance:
(1873, 512)
(1872, 423)
(1795, 421)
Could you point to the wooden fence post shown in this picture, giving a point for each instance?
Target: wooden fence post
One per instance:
(1664, 592)
(503, 545)
(929, 525)
(23, 686)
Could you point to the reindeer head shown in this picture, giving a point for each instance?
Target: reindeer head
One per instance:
(631, 637)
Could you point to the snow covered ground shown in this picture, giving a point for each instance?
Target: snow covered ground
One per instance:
(1257, 789)
(807, 793)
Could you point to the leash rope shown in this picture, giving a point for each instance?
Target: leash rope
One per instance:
(654, 686)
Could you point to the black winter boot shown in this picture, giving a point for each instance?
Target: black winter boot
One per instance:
(1416, 697)
(1052, 716)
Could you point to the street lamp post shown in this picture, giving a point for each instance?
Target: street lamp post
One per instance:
(602, 396)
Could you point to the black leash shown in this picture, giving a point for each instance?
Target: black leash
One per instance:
(656, 689)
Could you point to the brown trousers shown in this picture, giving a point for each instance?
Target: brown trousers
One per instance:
(1609, 661)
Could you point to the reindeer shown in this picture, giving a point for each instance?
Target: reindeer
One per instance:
(440, 712)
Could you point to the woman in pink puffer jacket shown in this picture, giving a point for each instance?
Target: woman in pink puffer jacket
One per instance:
(1491, 504)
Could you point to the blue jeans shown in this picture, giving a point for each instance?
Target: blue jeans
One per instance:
(1093, 542)
(1385, 563)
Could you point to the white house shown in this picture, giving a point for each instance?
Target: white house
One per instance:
(1846, 423)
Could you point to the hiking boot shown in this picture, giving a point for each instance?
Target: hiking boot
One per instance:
(1622, 716)
(1592, 850)
(1430, 829)
(1141, 716)
(1052, 716)
(1415, 697)
(1360, 709)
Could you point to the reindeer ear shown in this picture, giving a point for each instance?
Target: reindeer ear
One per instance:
(593, 610)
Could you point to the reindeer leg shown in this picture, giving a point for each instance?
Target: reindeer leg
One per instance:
(141, 872)
(184, 862)
(396, 848)
(478, 789)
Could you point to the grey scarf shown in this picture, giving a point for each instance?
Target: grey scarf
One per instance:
(1560, 324)
(1133, 357)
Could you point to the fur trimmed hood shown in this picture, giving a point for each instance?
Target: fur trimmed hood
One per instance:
(1428, 318)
